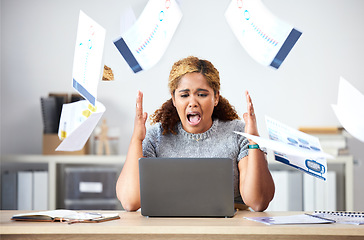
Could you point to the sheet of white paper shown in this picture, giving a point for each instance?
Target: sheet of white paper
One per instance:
(350, 109)
(143, 45)
(72, 117)
(294, 219)
(266, 38)
(284, 147)
(294, 148)
(313, 165)
(87, 63)
(77, 122)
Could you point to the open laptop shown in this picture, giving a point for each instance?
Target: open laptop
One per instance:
(186, 187)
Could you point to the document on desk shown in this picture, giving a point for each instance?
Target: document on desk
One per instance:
(293, 219)
(77, 122)
(63, 215)
(143, 44)
(294, 148)
(350, 109)
(267, 39)
(87, 63)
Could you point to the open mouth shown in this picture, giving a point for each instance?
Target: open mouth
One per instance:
(194, 118)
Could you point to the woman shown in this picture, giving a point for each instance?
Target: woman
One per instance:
(198, 122)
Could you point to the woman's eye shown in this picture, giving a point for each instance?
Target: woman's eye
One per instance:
(184, 95)
(202, 94)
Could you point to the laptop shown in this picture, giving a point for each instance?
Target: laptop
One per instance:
(186, 187)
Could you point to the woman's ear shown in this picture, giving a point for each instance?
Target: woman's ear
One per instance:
(217, 98)
(172, 95)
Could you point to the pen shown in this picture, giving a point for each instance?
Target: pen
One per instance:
(320, 217)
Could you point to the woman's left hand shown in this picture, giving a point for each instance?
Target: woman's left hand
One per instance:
(249, 117)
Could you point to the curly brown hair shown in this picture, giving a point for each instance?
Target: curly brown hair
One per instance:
(167, 114)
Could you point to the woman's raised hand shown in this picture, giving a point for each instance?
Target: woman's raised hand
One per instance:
(249, 117)
(140, 118)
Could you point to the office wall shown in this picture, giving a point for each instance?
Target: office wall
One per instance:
(37, 46)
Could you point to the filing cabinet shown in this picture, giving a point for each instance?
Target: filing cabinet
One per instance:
(90, 188)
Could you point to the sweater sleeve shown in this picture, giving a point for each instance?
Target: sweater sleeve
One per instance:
(151, 140)
(243, 142)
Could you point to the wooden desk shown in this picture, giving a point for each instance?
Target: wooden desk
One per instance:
(134, 226)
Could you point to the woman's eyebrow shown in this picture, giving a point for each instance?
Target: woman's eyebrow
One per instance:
(202, 90)
(197, 90)
(184, 90)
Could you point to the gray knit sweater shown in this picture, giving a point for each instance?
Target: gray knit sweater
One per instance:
(219, 141)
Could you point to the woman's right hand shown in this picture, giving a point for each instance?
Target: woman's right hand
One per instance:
(140, 119)
(127, 186)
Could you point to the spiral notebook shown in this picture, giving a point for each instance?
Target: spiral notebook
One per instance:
(356, 218)
(318, 217)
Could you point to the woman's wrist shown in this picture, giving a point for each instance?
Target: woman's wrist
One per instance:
(136, 140)
(253, 146)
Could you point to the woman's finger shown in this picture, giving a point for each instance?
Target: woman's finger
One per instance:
(250, 108)
(139, 105)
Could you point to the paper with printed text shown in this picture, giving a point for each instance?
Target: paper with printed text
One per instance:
(77, 122)
(87, 63)
(144, 44)
(266, 38)
(294, 148)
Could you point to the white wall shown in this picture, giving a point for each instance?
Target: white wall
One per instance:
(37, 46)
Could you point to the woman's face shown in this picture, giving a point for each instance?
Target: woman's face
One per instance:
(195, 100)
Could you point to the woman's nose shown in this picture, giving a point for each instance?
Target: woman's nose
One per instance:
(193, 102)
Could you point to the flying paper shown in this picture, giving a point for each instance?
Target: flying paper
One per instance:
(79, 119)
(294, 148)
(350, 109)
(284, 147)
(77, 122)
(143, 45)
(266, 38)
(87, 63)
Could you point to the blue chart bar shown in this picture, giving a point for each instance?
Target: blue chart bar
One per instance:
(128, 55)
(84, 92)
(286, 48)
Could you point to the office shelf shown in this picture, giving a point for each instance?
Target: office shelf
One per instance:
(52, 162)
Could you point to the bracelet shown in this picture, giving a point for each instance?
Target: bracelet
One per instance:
(253, 146)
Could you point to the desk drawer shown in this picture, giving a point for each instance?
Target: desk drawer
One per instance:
(90, 183)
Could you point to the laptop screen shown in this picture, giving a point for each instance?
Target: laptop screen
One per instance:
(200, 187)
